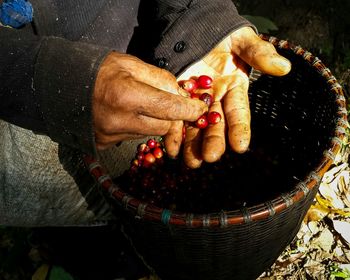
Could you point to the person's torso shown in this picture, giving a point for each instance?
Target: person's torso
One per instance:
(105, 22)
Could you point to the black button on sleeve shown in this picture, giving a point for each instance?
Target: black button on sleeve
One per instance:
(162, 62)
(180, 46)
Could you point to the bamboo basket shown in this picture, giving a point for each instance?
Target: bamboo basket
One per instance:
(306, 112)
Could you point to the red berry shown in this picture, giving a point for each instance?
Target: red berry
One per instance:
(149, 158)
(214, 117)
(143, 148)
(152, 143)
(204, 81)
(194, 96)
(158, 152)
(207, 98)
(133, 168)
(136, 162)
(140, 156)
(189, 85)
(202, 122)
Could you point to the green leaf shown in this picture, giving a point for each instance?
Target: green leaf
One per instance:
(339, 274)
(58, 273)
(264, 25)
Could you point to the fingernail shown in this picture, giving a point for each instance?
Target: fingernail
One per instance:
(282, 64)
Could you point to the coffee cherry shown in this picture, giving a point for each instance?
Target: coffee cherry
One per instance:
(194, 95)
(189, 85)
(140, 156)
(204, 81)
(152, 143)
(207, 98)
(133, 169)
(149, 159)
(143, 148)
(202, 122)
(157, 152)
(214, 117)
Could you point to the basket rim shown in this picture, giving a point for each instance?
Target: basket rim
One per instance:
(143, 210)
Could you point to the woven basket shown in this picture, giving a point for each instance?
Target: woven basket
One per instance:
(306, 112)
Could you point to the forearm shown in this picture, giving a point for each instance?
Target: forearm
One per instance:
(47, 85)
(18, 51)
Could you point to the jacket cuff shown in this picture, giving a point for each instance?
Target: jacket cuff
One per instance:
(196, 31)
(64, 80)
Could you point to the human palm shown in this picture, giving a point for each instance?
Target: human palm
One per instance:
(228, 64)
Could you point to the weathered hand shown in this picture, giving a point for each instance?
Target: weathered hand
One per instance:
(228, 65)
(133, 99)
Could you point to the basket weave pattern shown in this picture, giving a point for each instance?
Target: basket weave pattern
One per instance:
(241, 243)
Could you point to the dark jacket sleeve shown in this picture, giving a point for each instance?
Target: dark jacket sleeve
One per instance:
(192, 29)
(46, 85)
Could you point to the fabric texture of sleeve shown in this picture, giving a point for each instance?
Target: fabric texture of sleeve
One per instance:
(64, 80)
(192, 29)
(47, 86)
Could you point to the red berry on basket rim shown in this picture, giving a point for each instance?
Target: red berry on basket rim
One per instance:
(152, 143)
(157, 152)
(202, 122)
(189, 85)
(204, 81)
(214, 117)
(207, 98)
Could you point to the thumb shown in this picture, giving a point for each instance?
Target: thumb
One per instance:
(258, 53)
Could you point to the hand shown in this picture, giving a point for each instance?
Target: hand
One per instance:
(133, 99)
(228, 65)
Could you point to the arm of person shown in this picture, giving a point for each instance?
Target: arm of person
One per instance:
(46, 85)
(83, 95)
(191, 29)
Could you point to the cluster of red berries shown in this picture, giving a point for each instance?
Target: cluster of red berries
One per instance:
(202, 82)
(148, 154)
(236, 180)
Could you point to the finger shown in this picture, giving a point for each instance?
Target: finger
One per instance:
(173, 139)
(258, 53)
(144, 72)
(156, 103)
(224, 84)
(213, 146)
(193, 147)
(134, 124)
(158, 78)
(237, 113)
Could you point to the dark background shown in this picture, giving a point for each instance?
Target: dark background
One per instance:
(322, 27)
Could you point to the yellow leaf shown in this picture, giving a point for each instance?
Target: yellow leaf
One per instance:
(327, 205)
(41, 272)
(316, 213)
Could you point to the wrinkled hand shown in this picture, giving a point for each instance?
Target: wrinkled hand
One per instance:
(228, 65)
(133, 99)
